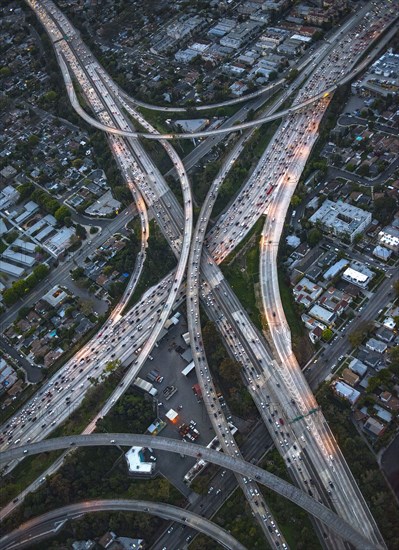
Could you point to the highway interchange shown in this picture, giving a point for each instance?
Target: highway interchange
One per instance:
(281, 163)
(47, 525)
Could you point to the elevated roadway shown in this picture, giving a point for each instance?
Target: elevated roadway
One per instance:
(237, 465)
(49, 524)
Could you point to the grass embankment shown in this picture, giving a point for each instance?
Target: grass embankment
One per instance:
(241, 269)
(158, 263)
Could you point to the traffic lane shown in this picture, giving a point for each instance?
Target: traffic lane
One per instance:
(23, 536)
(256, 444)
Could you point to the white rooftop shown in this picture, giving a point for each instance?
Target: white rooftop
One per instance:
(135, 461)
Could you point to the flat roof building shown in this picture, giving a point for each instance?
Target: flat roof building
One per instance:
(355, 277)
(325, 316)
(25, 246)
(346, 392)
(136, 462)
(341, 219)
(11, 269)
(335, 269)
(60, 241)
(389, 238)
(19, 257)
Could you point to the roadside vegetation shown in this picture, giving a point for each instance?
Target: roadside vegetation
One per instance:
(159, 261)
(90, 473)
(241, 269)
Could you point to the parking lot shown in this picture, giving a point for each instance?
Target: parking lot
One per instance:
(169, 363)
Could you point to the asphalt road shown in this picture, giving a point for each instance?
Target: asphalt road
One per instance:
(299, 497)
(47, 525)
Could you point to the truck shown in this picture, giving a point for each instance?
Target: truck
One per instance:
(145, 386)
(154, 376)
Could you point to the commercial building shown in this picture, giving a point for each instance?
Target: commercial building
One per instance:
(19, 257)
(55, 296)
(60, 241)
(136, 462)
(23, 245)
(341, 219)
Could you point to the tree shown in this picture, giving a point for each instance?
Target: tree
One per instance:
(80, 231)
(295, 201)
(61, 213)
(10, 296)
(327, 334)
(86, 306)
(230, 370)
(314, 236)
(384, 209)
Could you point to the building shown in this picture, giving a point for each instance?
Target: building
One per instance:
(346, 392)
(373, 427)
(19, 257)
(350, 377)
(355, 277)
(136, 462)
(10, 269)
(55, 296)
(58, 243)
(323, 315)
(358, 367)
(341, 219)
(335, 300)
(389, 238)
(335, 269)
(382, 253)
(376, 345)
(23, 245)
(382, 78)
(306, 292)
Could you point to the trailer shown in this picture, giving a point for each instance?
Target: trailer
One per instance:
(190, 367)
(145, 386)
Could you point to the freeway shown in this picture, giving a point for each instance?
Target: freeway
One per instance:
(50, 523)
(255, 446)
(212, 404)
(323, 451)
(237, 465)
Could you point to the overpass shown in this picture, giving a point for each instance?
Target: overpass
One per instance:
(283, 488)
(48, 524)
